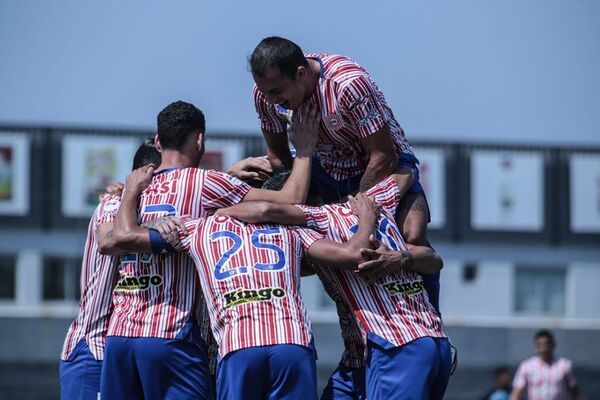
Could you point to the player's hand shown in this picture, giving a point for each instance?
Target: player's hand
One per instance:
(115, 189)
(305, 129)
(365, 207)
(170, 228)
(251, 168)
(139, 179)
(380, 261)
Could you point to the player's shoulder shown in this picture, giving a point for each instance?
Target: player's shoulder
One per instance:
(340, 69)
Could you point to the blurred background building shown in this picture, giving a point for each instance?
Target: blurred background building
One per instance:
(501, 100)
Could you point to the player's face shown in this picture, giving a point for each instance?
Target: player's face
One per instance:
(544, 347)
(283, 90)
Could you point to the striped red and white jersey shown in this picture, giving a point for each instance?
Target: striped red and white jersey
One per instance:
(545, 381)
(396, 308)
(157, 294)
(352, 108)
(250, 276)
(98, 277)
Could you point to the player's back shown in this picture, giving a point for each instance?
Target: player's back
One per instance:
(157, 293)
(250, 275)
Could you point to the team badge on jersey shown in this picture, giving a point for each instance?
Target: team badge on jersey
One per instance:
(283, 113)
(242, 295)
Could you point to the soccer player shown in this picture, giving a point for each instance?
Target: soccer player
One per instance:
(545, 376)
(83, 349)
(250, 275)
(360, 141)
(155, 346)
(408, 354)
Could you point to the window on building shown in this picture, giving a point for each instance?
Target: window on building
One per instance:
(61, 278)
(540, 291)
(8, 266)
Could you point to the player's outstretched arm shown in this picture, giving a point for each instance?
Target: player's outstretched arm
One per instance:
(256, 212)
(382, 261)
(126, 232)
(304, 133)
(348, 255)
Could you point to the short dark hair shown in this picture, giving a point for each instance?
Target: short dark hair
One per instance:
(277, 52)
(146, 154)
(544, 333)
(176, 122)
(501, 370)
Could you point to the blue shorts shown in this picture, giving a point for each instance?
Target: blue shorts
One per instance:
(156, 368)
(331, 190)
(283, 371)
(345, 384)
(80, 374)
(418, 370)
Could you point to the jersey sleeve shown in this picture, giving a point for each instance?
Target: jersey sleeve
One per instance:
(316, 218)
(187, 237)
(267, 116)
(386, 194)
(222, 190)
(307, 236)
(107, 209)
(520, 379)
(361, 106)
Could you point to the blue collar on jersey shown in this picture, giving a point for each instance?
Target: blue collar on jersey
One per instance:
(320, 63)
(164, 171)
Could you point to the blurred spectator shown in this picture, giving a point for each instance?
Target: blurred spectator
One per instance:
(546, 376)
(501, 390)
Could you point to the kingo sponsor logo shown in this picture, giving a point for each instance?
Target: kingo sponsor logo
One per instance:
(242, 295)
(141, 282)
(400, 287)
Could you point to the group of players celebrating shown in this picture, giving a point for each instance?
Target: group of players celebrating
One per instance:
(191, 278)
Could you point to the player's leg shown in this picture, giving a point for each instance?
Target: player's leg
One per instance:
(120, 379)
(445, 366)
(243, 374)
(80, 374)
(345, 384)
(401, 373)
(174, 368)
(292, 372)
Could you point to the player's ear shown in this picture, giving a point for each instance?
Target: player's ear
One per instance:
(301, 73)
(157, 145)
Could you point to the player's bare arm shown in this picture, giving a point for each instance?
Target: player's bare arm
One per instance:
(278, 151)
(348, 255)
(256, 212)
(127, 234)
(382, 158)
(304, 133)
(382, 261)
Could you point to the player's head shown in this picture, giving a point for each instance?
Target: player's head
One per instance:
(281, 71)
(277, 181)
(181, 128)
(146, 154)
(544, 343)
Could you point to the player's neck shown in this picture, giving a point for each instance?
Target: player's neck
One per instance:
(314, 74)
(175, 159)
